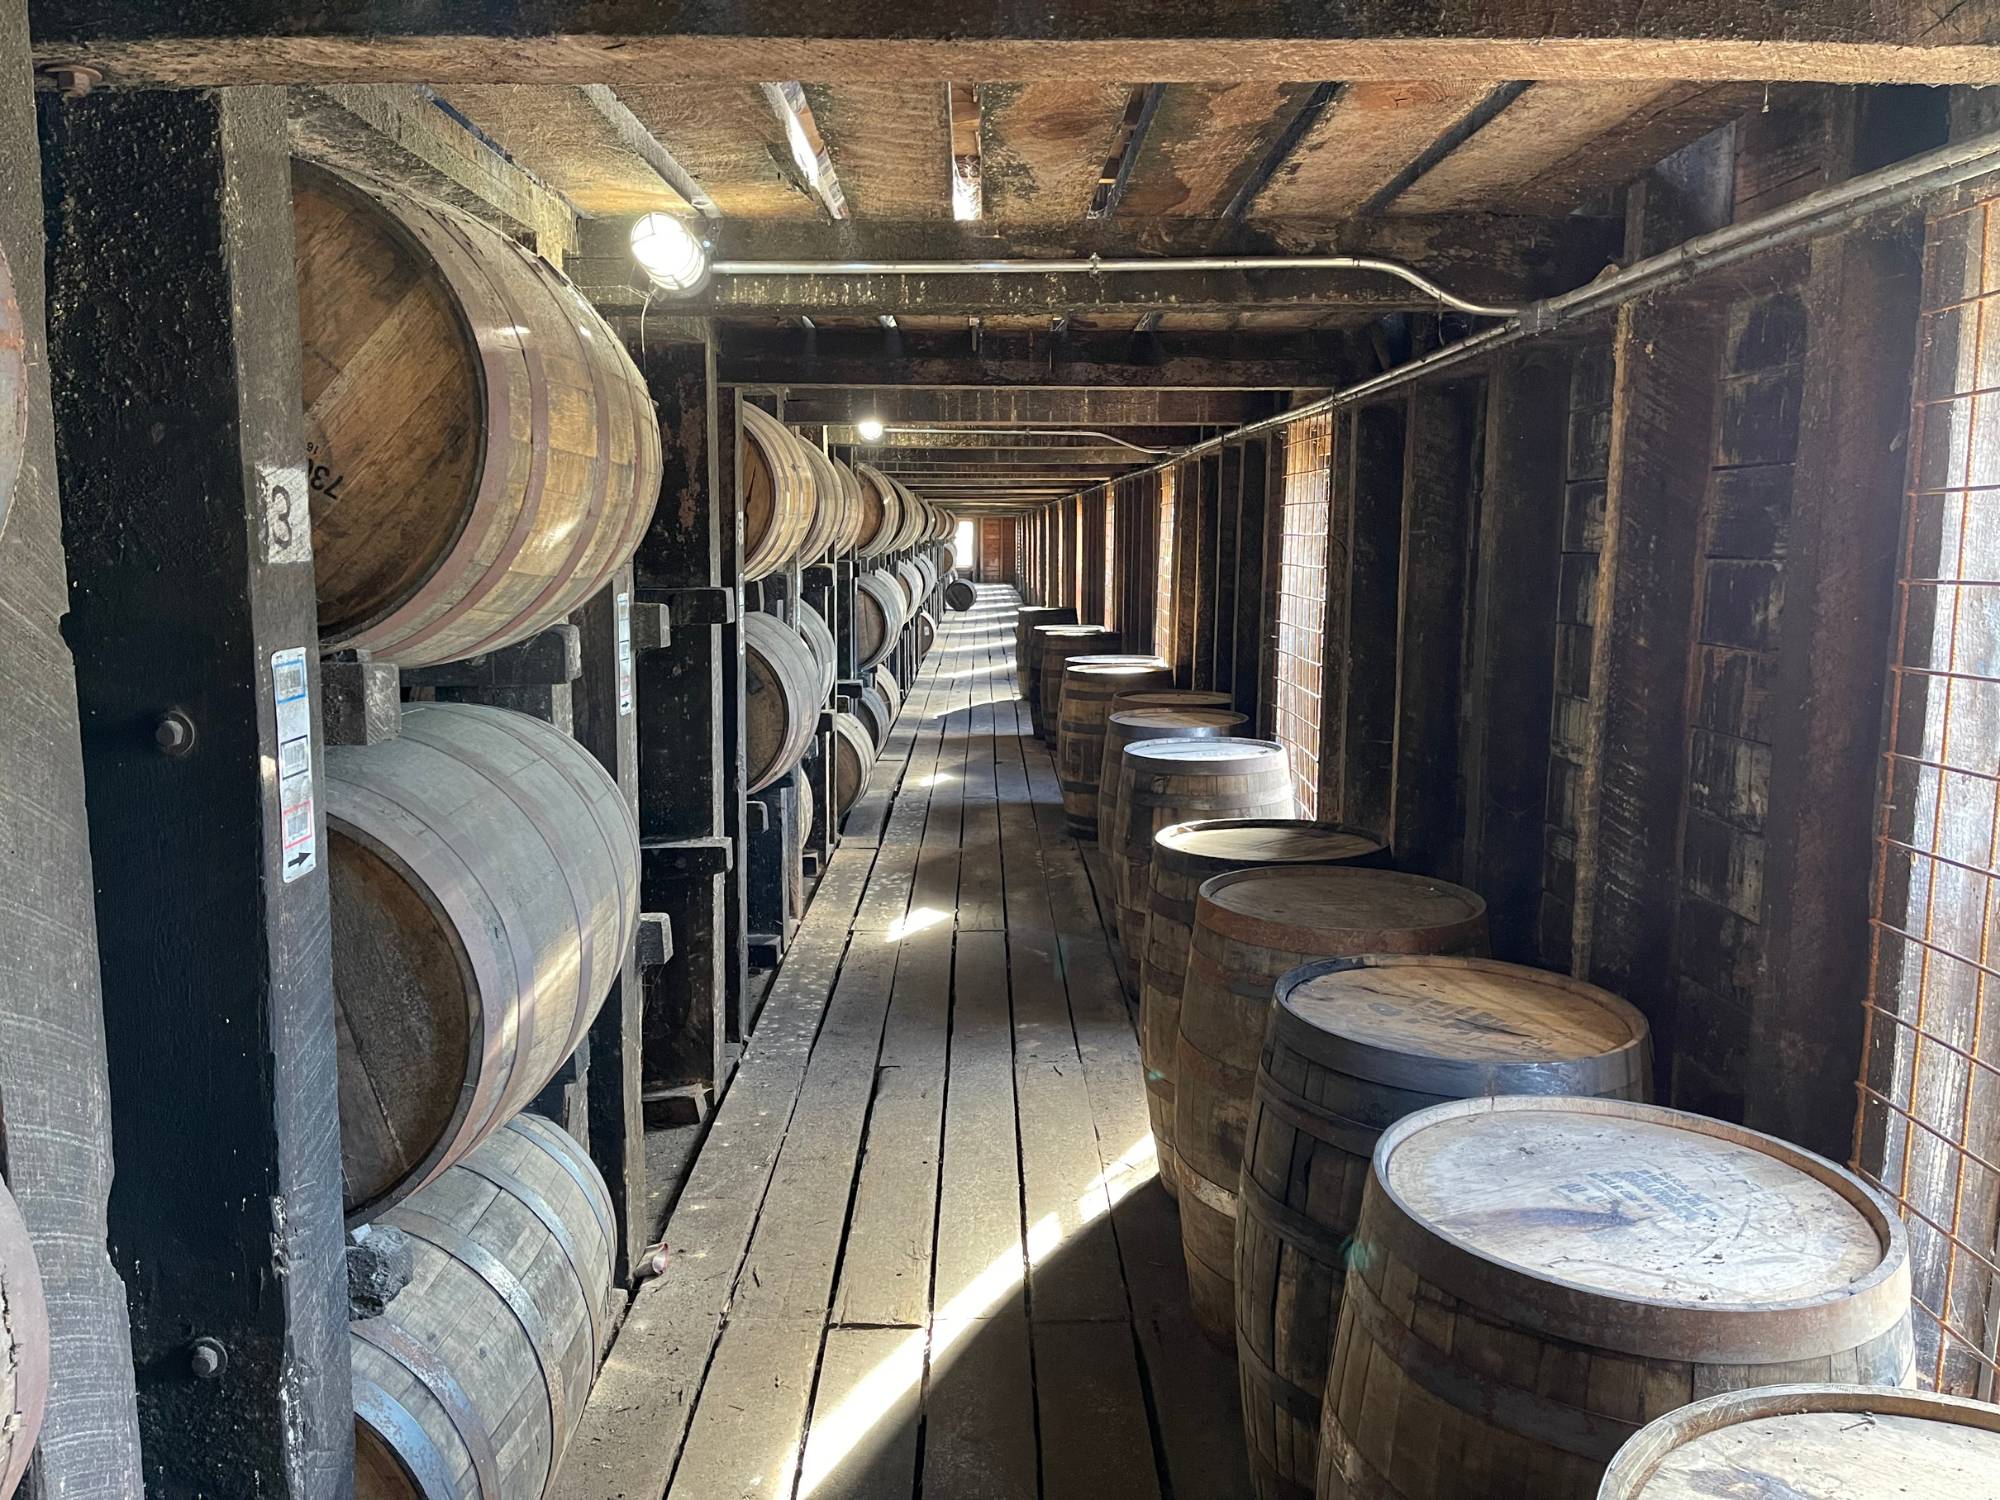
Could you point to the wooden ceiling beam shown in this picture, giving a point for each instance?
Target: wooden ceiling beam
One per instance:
(1113, 410)
(223, 42)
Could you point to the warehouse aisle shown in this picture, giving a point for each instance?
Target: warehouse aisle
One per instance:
(923, 1249)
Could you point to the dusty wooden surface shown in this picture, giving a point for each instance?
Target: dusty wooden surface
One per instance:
(927, 1205)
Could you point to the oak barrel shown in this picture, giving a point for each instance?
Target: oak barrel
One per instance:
(1250, 928)
(1536, 1279)
(1813, 1442)
(482, 452)
(829, 505)
(775, 493)
(853, 514)
(881, 511)
(927, 569)
(1039, 640)
(781, 698)
(926, 628)
(1089, 685)
(910, 578)
(853, 754)
(819, 640)
(13, 400)
(1183, 856)
(1163, 782)
(1354, 1045)
(871, 707)
(485, 878)
(1026, 618)
(470, 1385)
(916, 518)
(1058, 647)
(24, 1346)
(891, 690)
(1124, 726)
(960, 595)
(878, 616)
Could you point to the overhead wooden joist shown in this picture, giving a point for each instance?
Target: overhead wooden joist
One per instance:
(170, 42)
(832, 357)
(1034, 406)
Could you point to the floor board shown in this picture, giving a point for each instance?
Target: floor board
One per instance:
(922, 1251)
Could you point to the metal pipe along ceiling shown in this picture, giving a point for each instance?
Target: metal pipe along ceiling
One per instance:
(1097, 265)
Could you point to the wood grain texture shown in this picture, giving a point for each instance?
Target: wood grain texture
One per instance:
(24, 1346)
(564, 139)
(728, 139)
(1043, 145)
(1368, 135)
(1088, 689)
(1204, 141)
(890, 144)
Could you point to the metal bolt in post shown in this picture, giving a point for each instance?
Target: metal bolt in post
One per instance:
(174, 734)
(207, 1359)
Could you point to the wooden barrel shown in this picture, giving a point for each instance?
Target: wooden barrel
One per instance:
(472, 1382)
(916, 518)
(878, 616)
(947, 559)
(1169, 781)
(1058, 647)
(881, 511)
(819, 641)
(854, 511)
(1540, 1277)
(829, 504)
(853, 754)
(1040, 638)
(482, 453)
(795, 867)
(927, 568)
(911, 578)
(24, 1346)
(960, 595)
(926, 628)
(1251, 927)
(871, 707)
(1089, 685)
(1813, 1442)
(13, 404)
(1183, 856)
(1354, 1045)
(775, 492)
(781, 698)
(485, 891)
(891, 690)
(1026, 618)
(1129, 721)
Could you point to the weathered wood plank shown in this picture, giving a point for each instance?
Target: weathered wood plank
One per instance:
(862, 1444)
(1094, 1435)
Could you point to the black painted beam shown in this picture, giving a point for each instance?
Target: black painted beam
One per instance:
(1032, 406)
(174, 352)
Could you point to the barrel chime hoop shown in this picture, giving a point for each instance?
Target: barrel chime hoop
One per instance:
(1316, 1120)
(461, 1247)
(1513, 1408)
(1292, 1226)
(450, 1396)
(412, 1446)
(541, 1132)
(1303, 1405)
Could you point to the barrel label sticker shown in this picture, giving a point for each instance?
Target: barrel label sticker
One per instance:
(282, 490)
(298, 826)
(622, 607)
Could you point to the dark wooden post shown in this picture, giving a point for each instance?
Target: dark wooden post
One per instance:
(728, 453)
(1364, 616)
(55, 1127)
(1512, 688)
(1439, 502)
(1228, 521)
(1862, 296)
(1207, 552)
(174, 342)
(1629, 799)
(1254, 618)
(613, 630)
(684, 781)
(1187, 531)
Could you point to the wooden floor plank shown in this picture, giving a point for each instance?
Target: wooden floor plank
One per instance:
(744, 1441)
(866, 1416)
(979, 1409)
(1095, 1438)
(979, 1250)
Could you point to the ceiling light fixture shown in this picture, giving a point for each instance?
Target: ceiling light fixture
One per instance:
(669, 253)
(869, 429)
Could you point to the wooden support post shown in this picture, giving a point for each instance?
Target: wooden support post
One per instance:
(1228, 521)
(1363, 619)
(1207, 553)
(683, 777)
(1667, 354)
(174, 341)
(1862, 294)
(55, 1127)
(1187, 528)
(1254, 601)
(1518, 574)
(611, 631)
(1440, 480)
(728, 452)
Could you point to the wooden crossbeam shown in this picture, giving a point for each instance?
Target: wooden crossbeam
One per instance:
(165, 43)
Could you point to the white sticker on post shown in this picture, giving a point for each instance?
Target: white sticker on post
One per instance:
(622, 607)
(288, 534)
(290, 686)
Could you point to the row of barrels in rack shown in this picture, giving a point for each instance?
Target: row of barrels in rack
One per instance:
(483, 454)
(1422, 1194)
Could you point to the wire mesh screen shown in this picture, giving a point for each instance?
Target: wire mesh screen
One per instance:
(1302, 584)
(1163, 586)
(1929, 1124)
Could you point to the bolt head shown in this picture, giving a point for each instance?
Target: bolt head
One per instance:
(174, 733)
(207, 1359)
